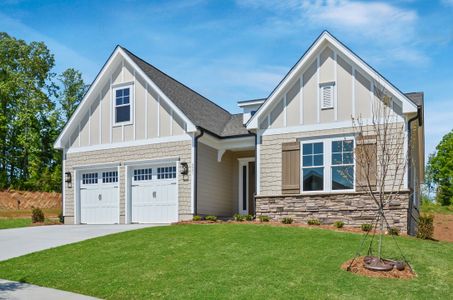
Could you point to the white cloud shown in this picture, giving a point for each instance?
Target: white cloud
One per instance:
(388, 32)
(65, 57)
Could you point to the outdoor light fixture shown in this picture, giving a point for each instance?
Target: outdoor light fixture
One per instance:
(68, 178)
(184, 168)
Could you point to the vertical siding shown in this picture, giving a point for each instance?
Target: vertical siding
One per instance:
(344, 90)
(146, 113)
(293, 105)
(310, 95)
(94, 122)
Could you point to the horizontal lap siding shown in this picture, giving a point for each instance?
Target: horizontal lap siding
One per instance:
(120, 155)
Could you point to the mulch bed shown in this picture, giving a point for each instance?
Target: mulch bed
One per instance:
(346, 228)
(358, 268)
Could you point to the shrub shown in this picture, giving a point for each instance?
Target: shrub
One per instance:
(287, 220)
(425, 226)
(239, 217)
(314, 222)
(264, 218)
(366, 227)
(249, 217)
(339, 224)
(37, 215)
(394, 231)
(211, 218)
(197, 218)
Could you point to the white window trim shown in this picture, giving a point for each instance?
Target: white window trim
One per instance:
(131, 104)
(327, 164)
(334, 95)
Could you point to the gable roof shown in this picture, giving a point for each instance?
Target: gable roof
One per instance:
(408, 104)
(200, 110)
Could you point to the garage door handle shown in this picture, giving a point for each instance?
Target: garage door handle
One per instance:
(154, 194)
(100, 197)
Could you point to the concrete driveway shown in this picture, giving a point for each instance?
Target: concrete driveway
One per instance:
(21, 241)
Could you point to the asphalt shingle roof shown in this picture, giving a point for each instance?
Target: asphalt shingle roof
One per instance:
(199, 109)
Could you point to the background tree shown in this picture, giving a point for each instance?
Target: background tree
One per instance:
(440, 170)
(72, 90)
(25, 87)
(34, 106)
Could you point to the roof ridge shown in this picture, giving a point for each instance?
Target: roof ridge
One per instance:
(172, 78)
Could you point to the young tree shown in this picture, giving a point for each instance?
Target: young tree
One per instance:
(440, 167)
(380, 157)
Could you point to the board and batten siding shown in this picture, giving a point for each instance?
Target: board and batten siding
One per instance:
(299, 102)
(151, 117)
(180, 149)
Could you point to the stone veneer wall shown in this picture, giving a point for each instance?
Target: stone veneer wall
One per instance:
(354, 209)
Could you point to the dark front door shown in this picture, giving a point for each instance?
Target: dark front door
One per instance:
(251, 188)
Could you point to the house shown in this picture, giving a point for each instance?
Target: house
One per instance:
(144, 148)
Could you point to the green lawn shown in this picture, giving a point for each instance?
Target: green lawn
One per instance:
(230, 261)
(14, 223)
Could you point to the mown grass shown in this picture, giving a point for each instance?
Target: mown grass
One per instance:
(226, 261)
(6, 223)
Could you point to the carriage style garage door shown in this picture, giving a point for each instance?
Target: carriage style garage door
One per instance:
(154, 196)
(99, 197)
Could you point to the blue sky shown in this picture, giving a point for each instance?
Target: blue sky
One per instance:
(235, 50)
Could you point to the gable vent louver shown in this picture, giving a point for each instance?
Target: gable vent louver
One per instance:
(327, 94)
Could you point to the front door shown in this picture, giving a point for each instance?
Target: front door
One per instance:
(246, 203)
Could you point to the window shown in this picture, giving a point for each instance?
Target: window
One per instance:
(166, 172)
(110, 177)
(328, 165)
(312, 166)
(122, 105)
(143, 174)
(90, 178)
(327, 94)
(343, 165)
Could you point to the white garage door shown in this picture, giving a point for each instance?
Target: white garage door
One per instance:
(99, 197)
(154, 194)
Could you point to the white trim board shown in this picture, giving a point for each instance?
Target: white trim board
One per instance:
(339, 48)
(167, 139)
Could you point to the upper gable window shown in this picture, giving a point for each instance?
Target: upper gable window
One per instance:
(327, 95)
(122, 105)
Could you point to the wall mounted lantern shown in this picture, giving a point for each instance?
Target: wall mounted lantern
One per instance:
(68, 178)
(184, 168)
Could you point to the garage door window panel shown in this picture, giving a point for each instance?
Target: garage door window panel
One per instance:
(110, 177)
(89, 178)
(143, 174)
(166, 172)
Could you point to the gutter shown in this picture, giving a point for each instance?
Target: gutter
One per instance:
(410, 171)
(195, 164)
(256, 171)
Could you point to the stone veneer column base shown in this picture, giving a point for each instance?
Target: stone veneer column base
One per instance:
(354, 209)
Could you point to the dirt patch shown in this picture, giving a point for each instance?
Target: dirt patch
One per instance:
(358, 268)
(443, 227)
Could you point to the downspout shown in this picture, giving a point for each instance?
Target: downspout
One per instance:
(410, 171)
(256, 171)
(195, 164)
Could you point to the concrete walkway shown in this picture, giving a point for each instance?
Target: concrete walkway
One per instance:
(24, 291)
(20, 241)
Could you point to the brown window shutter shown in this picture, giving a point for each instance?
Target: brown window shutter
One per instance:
(366, 162)
(291, 168)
